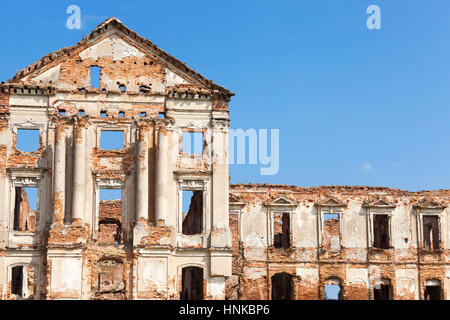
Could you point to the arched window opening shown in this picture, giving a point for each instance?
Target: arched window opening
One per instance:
(192, 284)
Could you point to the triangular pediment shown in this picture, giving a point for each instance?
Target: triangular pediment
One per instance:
(125, 59)
(381, 203)
(282, 200)
(331, 201)
(429, 203)
(234, 198)
(378, 201)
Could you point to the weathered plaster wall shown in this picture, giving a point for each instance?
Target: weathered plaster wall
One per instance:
(340, 249)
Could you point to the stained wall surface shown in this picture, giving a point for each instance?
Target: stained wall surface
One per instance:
(334, 241)
(233, 241)
(76, 245)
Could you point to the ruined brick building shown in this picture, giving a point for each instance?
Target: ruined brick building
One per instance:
(60, 240)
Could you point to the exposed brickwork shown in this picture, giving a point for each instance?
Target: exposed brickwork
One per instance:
(274, 242)
(356, 269)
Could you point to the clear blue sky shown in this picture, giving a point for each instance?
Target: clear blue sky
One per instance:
(354, 106)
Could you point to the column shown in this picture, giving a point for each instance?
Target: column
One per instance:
(79, 174)
(142, 174)
(59, 173)
(162, 175)
(220, 178)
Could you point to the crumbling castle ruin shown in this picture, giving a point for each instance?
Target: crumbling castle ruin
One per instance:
(60, 240)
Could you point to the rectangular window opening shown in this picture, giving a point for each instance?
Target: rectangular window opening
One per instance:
(111, 140)
(191, 283)
(27, 140)
(431, 232)
(25, 207)
(17, 280)
(382, 292)
(328, 216)
(192, 142)
(144, 89)
(282, 286)
(192, 212)
(331, 234)
(381, 231)
(110, 217)
(282, 230)
(95, 77)
(433, 293)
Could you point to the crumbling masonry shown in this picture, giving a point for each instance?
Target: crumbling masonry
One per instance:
(60, 240)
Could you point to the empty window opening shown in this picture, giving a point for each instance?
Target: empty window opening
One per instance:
(27, 140)
(144, 89)
(192, 284)
(143, 114)
(282, 226)
(62, 112)
(109, 284)
(110, 217)
(282, 286)
(329, 216)
(382, 290)
(192, 212)
(17, 280)
(25, 206)
(332, 289)
(122, 87)
(161, 115)
(103, 114)
(95, 77)
(331, 237)
(433, 290)
(192, 142)
(381, 231)
(121, 114)
(332, 292)
(110, 194)
(81, 112)
(111, 140)
(431, 232)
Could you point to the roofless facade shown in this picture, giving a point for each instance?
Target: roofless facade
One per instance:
(114, 184)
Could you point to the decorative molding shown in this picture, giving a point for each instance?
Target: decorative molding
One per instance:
(192, 125)
(220, 124)
(330, 201)
(426, 203)
(26, 177)
(171, 125)
(281, 202)
(192, 184)
(110, 183)
(25, 181)
(27, 124)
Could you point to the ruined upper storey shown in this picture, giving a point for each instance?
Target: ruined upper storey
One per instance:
(342, 219)
(116, 64)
